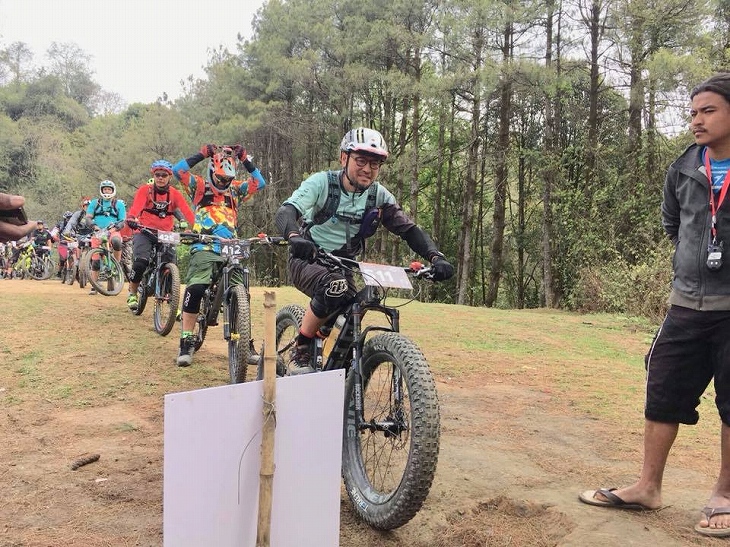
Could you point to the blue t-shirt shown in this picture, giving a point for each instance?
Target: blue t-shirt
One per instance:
(719, 169)
(104, 214)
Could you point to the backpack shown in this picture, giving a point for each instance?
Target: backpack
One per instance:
(369, 220)
(159, 208)
(333, 201)
(205, 195)
(98, 210)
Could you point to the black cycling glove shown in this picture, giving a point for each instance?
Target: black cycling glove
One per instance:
(301, 247)
(442, 270)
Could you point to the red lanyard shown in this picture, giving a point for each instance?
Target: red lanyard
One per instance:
(723, 191)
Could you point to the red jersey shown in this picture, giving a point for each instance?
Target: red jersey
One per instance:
(155, 210)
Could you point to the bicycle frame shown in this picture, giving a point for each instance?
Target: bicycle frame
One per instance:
(347, 349)
(151, 274)
(222, 283)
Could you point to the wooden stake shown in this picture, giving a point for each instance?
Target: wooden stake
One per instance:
(266, 475)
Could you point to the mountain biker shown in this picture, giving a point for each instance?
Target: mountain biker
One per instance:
(106, 212)
(154, 206)
(62, 243)
(6, 253)
(215, 202)
(362, 204)
(78, 224)
(15, 251)
(41, 238)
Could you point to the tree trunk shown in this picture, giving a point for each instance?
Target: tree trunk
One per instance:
(500, 182)
(469, 196)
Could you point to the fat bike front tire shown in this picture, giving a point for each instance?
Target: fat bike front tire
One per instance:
(388, 466)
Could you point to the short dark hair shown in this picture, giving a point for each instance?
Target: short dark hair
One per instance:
(719, 83)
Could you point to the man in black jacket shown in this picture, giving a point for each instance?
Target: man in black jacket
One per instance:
(693, 344)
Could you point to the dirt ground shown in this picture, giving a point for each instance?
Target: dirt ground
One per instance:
(513, 458)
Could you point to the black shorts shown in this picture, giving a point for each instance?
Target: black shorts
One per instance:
(328, 290)
(143, 247)
(690, 348)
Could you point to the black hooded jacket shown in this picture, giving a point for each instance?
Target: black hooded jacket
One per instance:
(686, 218)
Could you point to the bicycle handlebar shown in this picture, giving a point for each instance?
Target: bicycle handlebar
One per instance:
(416, 269)
(189, 238)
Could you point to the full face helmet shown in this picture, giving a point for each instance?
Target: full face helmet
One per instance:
(67, 215)
(365, 140)
(107, 184)
(222, 169)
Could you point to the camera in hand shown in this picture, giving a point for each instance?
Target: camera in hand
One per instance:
(714, 256)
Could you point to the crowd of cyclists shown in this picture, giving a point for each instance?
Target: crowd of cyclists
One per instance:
(332, 210)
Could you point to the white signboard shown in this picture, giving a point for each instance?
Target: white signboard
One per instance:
(212, 455)
(383, 275)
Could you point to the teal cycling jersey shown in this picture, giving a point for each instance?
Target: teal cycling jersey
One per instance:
(332, 234)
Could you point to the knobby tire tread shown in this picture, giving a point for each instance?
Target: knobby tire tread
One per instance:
(387, 512)
(288, 317)
(102, 286)
(239, 322)
(164, 325)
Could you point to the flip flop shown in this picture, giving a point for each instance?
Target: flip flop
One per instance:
(613, 501)
(710, 512)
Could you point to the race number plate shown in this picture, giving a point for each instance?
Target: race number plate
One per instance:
(382, 275)
(72, 245)
(173, 238)
(235, 249)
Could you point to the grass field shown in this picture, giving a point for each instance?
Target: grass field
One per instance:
(538, 394)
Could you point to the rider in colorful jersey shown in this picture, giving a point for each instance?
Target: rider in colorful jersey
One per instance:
(107, 212)
(215, 200)
(362, 205)
(154, 206)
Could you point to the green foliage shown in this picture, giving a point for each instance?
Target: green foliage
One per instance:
(617, 286)
(428, 75)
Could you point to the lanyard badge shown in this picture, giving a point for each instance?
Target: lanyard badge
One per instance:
(714, 247)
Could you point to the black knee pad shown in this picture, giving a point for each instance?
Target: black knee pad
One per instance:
(193, 296)
(333, 292)
(138, 268)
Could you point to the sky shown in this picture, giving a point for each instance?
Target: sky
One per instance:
(139, 49)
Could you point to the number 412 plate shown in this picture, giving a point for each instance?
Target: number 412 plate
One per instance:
(383, 275)
(235, 249)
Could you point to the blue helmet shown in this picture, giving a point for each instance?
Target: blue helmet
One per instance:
(161, 165)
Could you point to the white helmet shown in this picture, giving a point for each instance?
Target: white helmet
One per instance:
(363, 139)
(107, 184)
